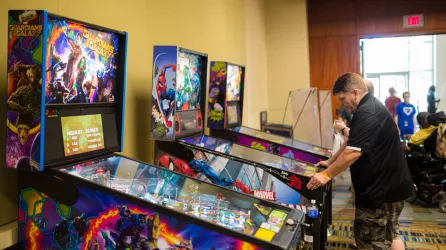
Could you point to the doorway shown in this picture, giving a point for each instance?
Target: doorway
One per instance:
(406, 63)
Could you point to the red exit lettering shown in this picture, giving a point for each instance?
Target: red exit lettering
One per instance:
(413, 20)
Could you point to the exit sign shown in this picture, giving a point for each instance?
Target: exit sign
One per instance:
(413, 21)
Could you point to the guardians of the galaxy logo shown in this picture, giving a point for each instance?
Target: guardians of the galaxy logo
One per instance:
(97, 44)
(24, 30)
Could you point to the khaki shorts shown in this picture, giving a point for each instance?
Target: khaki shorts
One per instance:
(376, 228)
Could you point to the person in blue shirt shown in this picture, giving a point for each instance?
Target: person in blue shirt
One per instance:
(405, 116)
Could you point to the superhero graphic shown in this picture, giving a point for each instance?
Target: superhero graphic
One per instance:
(230, 173)
(199, 167)
(101, 221)
(88, 72)
(58, 92)
(80, 96)
(188, 89)
(165, 94)
(75, 54)
(176, 165)
(26, 102)
(234, 83)
(24, 69)
(217, 95)
(184, 96)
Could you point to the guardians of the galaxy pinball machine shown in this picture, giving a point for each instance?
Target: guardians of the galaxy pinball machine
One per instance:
(51, 61)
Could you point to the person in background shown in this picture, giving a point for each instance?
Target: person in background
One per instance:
(380, 174)
(431, 100)
(392, 101)
(344, 115)
(370, 87)
(425, 129)
(405, 117)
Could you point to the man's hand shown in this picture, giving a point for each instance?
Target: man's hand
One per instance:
(322, 164)
(317, 180)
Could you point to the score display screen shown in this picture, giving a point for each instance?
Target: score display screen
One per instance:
(82, 134)
(233, 115)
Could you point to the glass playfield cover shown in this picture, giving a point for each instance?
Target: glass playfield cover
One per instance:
(220, 206)
(283, 140)
(251, 154)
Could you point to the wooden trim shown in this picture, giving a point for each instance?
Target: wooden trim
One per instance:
(9, 235)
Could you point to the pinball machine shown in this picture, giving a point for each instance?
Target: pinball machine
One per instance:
(177, 126)
(65, 123)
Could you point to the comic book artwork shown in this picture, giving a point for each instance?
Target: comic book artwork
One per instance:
(234, 82)
(163, 92)
(217, 95)
(188, 89)
(80, 64)
(24, 66)
(98, 220)
(230, 174)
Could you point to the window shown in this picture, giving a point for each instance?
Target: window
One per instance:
(404, 63)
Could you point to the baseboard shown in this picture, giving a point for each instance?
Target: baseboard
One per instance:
(8, 235)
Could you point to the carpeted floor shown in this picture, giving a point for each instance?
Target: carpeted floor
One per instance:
(421, 226)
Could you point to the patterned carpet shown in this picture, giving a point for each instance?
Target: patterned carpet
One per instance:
(421, 226)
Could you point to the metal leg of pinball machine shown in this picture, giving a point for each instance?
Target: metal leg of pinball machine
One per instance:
(325, 216)
(317, 237)
(320, 225)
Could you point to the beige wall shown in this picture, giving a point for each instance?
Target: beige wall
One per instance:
(287, 52)
(256, 83)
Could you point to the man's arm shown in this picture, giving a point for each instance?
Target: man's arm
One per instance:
(362, 136)
(344, 161)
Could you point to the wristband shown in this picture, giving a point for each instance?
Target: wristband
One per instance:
(325, 175)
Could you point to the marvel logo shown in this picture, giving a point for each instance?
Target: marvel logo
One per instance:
(266, 195)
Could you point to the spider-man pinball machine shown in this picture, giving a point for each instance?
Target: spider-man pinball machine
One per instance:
(177, 127)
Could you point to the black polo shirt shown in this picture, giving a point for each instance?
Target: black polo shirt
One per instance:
(381, 173)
